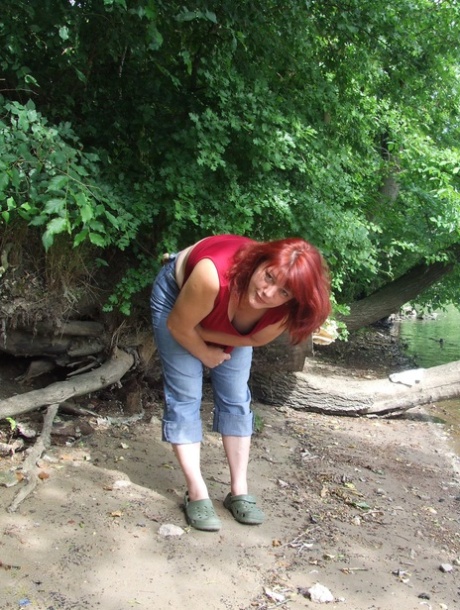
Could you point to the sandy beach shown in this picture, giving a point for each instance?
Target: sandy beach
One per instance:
(367, 508)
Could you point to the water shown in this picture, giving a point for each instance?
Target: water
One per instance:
(434, 342)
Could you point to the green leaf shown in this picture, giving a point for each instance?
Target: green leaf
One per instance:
(11, 203)
(47, 240)
(30, 80)
(196, 14)
(362, 505)
(121, 3)
(4, 181)
(87, 213)
(97, 240)
(12, 422)
(210, 16)
(37, 221)
(80, 237)
(57, 183)
(85, 208)
(113, 220)
(188, 15)
(95, 225)
(64, 32)
(57, 225)
(155, 37)
(55, 206)
(81, 76)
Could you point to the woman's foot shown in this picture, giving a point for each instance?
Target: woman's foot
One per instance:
(200, 514)
(244, 509)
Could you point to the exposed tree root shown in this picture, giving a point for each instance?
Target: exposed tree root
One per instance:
(33, 455)
(52, 396)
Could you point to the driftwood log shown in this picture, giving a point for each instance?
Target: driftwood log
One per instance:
(334, 394)
(56, 393)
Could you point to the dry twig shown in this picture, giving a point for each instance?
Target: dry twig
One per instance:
(34, 454)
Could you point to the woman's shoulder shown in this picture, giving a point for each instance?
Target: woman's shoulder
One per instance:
(217, 248)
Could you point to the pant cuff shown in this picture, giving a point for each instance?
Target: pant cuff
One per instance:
(229, 424)
(182, 433)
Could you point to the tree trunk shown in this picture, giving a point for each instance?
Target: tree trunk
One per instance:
(337, 395)
(393, 296)
(280, 355)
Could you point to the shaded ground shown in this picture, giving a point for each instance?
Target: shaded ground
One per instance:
(369, 508)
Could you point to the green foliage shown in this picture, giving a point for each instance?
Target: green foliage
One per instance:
(13, 423)
(47, 181)
(156, 123)
(259, 423)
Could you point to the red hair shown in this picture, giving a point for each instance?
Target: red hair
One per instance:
(300, 267)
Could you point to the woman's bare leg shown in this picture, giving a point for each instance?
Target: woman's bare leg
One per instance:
(188, 456)
(237, 451)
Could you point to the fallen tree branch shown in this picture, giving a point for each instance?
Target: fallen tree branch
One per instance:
(107, 374)
(33, 455)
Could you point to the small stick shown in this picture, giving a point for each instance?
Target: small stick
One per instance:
(35, 454)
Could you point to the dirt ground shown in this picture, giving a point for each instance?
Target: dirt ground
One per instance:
(368, 508)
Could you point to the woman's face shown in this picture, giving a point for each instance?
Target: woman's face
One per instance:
(265, 291)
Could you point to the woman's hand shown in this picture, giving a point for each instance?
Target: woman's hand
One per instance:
(215, 357)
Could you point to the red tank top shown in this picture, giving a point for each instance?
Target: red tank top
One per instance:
(220, 249)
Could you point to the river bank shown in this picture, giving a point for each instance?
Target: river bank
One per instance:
(377, 352)
(367, 508)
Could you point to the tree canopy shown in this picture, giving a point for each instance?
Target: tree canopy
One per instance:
(142, 125)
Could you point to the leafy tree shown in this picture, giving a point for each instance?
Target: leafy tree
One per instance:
(337, 121)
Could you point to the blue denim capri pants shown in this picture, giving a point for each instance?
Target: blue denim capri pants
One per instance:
(183, 377)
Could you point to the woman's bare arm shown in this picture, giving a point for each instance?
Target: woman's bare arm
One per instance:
(195, 301)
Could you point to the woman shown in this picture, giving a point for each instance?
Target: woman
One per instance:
(211, 304)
